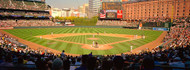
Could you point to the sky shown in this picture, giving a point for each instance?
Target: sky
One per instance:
(66, 3)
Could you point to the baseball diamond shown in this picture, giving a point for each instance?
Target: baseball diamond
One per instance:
(78, 40)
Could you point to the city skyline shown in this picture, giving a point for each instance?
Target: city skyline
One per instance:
(66, 3)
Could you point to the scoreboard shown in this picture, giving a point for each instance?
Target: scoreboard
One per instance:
(111, 14)
(111, 10)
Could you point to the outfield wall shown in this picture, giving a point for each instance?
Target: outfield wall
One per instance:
(150, 28)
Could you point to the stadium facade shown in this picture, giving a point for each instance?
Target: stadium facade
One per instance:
(156, 9)
(148, 9)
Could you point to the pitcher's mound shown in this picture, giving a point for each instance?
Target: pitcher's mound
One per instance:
(92, 38)
(100, 47)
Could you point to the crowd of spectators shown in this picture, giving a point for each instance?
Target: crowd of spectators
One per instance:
(34, 14)
(23, 5)
(23, 23)
(176, 20)
(178, 35)
(177, 55)
(116, 23)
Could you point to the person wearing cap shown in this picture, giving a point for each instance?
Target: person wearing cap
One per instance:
(177, 63)
(57, 64)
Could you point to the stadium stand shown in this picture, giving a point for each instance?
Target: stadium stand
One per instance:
(116, 23)
(21, 23)
(19, 13)
(22, 5)
(179, 34)
(24, 14)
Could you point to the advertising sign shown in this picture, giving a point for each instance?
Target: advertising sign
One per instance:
(119, 13)
(102, 14)
(160, 29)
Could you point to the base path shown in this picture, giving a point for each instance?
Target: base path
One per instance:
(150, 45)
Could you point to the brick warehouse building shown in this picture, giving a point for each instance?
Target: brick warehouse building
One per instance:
(156, 9)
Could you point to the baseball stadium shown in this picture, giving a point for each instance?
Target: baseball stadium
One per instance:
(120, 35)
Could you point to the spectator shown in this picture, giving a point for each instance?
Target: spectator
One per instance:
(30, 63)
(1, 59)
(148, 63)
(8, 61)
(66, 64)
(20, 64)
(57, 64)
(118, 63)
(187, 63)
(63, 54)
(7, 64)
(84, 63)
(91, 63)
(106, 65)
(78, 61)
(177, 63)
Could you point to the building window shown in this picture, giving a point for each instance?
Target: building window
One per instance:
(177, 10)
(183, 10)
(177, 14)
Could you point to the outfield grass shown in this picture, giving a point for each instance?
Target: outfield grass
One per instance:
(28, 34)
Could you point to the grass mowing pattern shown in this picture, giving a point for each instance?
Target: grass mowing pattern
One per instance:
(28, 34)
(83, 39)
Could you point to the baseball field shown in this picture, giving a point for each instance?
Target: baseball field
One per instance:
(99, 41)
